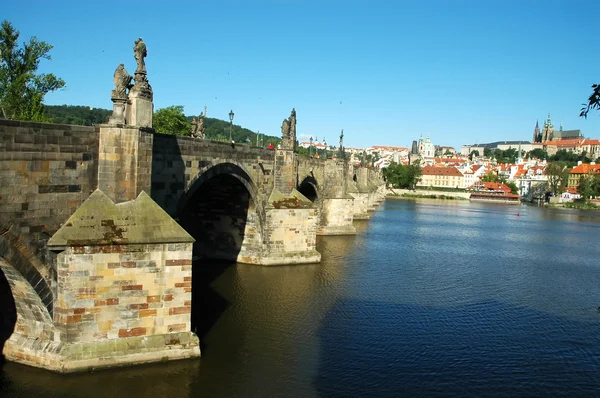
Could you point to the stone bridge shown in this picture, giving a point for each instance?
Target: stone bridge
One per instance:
(99, 226)
(99, 271)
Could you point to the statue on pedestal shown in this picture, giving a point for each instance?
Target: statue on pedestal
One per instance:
(120, 95)
(198, 127)
(288, 132)
(140, 52)
(141, 88)
(342, 154)
(122, 81)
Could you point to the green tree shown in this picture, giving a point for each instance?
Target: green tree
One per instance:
(473, 153)
(513, 187)
(402, 176)
(171, 120)
(22, 91)
(558, 175)
(593, 101)
(538, 153)
(490, 177)
(589, 186)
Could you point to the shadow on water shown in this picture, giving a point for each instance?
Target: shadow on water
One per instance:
(164, 379)
(207, 304)
(8, 314)
(484, 349)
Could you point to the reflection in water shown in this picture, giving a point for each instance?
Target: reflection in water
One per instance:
(430, 298)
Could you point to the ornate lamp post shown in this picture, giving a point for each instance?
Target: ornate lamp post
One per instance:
(310, 146)
(231, 114)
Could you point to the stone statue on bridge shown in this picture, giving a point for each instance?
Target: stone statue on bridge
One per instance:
(141, 88)
(120, 95)
(140, 52)
(342, 153)
(122, 81)
(198, 128)
(288, 132)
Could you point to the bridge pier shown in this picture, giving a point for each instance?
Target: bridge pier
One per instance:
(123, 292)
(290, 230)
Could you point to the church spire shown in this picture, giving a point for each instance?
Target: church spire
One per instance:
(537, 136)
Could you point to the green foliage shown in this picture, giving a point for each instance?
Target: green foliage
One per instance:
(402, 176)
(171, 120)
(79, 115)
(558, 175)
(585, 205)
(432, 196)
(22, 91)
(593, 101)
(569, 158)
(589, 186)
(538, 153)
(474, 153)
(487, 152)
(507, 156)
(513, 187)
(490, 177)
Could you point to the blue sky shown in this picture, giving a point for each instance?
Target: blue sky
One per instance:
(384, 71)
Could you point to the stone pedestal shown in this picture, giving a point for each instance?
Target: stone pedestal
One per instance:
(140, 110)
(336, 217)
(118, 115)
(124, 162)
(285, 172)
(140, 107)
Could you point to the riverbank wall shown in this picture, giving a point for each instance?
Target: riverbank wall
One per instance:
(399, 192)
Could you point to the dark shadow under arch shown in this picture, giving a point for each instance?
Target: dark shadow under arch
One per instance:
(215, 212)
(215, 215)
(309, 188)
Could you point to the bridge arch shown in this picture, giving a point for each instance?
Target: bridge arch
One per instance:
(22, 311)
(31, 263)
(222, 211)
(309, 188)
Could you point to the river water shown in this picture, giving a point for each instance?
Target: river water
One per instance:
(431, 298)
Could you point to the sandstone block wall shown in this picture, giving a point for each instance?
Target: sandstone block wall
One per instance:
(110, 292)
(286, 175)
(290, 236)
(46, 172)
(336, 217)
(125, 162)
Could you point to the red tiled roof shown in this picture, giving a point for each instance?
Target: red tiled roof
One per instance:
(490, 186)
(441, 171)
(591, 142)
(585, 168)
(567, 143)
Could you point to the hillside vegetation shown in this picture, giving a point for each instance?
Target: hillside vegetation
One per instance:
(216, 129)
